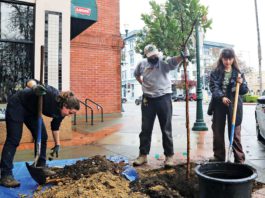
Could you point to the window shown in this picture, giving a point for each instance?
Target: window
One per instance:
(131, 59)
(132, 73)
(53, 51)
(123, 75)
(16, 47)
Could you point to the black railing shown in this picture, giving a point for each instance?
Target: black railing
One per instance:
(98, 107)
(91, 110)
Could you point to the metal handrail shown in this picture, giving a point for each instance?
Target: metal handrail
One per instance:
(98, 106)
(91, 110)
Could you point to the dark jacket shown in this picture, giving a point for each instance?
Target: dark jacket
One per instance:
(216, 82)
(24, 103)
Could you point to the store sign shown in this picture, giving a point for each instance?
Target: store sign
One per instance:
(83, 11)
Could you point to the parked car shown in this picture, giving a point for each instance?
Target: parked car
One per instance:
(178, 97)
(123, 100)
(138, 101)
(260, 118)
(192, 96)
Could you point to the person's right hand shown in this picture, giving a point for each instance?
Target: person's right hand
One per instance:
(185, 54)
(226, 101)
(39, 90)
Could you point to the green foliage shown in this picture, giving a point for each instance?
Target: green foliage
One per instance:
(170, 26)
(250, 98)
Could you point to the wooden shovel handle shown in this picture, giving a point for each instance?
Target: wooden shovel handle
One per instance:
(235, 102)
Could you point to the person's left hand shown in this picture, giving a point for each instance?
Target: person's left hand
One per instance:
(239, 80)
(55, 150)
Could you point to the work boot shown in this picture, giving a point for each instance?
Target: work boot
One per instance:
(140, 160)
(169, 162)
(9, 181)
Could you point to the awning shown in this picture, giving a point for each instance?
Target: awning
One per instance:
(83, 14)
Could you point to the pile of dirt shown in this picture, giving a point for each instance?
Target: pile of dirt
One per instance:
(98, 177)
(102, 184)
(88, 167)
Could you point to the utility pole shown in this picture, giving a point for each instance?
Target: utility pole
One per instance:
(199, 125)
(259, 48)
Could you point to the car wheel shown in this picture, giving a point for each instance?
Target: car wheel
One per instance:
(260, 138)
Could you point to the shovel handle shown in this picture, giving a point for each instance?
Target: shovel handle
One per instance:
(235, 102)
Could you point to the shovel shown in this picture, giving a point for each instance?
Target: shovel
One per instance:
(37, 173)
(230, 149)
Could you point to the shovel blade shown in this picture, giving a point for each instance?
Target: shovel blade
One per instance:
(229, 154)
(36, 173)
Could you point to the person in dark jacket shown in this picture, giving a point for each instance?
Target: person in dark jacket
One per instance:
(223, 81)
(22, 108)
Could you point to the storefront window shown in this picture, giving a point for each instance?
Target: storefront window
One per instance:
(16, 47)
(16, 22)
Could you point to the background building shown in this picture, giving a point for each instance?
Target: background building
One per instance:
(82, 50)
(131, 89)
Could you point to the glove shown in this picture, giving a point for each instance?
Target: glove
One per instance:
(185, 54)
(55, 150)
(39, 90)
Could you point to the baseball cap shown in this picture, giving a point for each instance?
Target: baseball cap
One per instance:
(150, 50)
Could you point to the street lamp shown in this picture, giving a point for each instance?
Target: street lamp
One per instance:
(199, 124)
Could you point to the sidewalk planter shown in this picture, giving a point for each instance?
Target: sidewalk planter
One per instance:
(250, 98)
(228, 180)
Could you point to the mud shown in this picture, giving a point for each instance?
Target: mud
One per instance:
(97, 177)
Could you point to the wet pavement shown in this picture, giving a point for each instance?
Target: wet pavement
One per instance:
(118, 135)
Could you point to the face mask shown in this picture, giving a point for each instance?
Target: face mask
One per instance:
(153, 61)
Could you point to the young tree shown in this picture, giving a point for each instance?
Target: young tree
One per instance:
(170, 27)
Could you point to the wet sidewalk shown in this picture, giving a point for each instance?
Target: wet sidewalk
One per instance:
(118, 135)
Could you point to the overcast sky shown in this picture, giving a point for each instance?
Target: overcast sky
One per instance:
(234, 23)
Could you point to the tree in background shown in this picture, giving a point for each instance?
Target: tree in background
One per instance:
(170, 27)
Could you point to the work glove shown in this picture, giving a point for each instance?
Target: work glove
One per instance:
(39, 90)
(185, 54)
(55, 150)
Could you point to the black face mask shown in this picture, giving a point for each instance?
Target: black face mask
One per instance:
(153, 61)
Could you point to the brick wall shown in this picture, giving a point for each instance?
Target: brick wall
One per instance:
(95, 59)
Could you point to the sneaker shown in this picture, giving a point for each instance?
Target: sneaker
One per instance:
(142, 159)
(169, 162)
(9, 181)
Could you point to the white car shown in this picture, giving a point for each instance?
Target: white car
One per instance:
(260, 118)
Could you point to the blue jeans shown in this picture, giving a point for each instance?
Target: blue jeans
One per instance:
(14, 134)
(162, 108)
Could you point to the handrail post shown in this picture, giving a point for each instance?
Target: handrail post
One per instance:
(98, 106)
(86, 113)
(92, 117)
(75, 119)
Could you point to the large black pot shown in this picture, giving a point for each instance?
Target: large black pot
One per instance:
(229, 180)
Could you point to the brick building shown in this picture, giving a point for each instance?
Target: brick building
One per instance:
(82, 46)
(95, 59)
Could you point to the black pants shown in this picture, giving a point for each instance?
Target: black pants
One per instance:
(220, 114)
(162, 107)
(14, 134)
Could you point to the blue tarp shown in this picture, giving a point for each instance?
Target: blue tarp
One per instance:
(28, 185)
